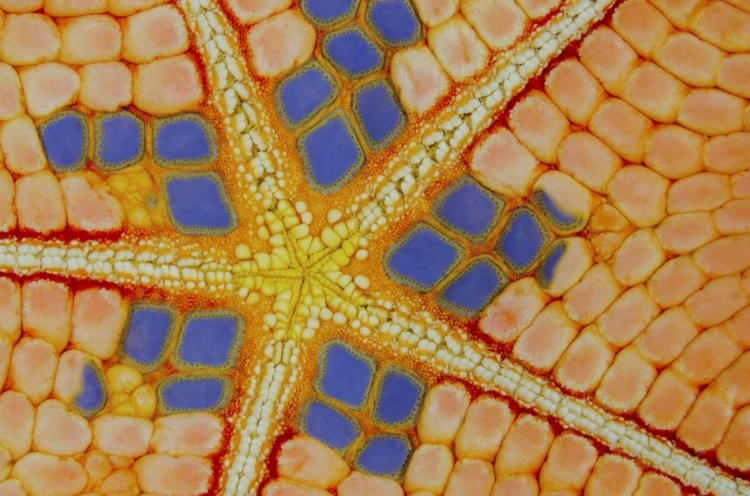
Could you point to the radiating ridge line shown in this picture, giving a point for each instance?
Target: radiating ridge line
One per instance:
(236, 95)
(450, 351)
(256, 426)
(151, 262)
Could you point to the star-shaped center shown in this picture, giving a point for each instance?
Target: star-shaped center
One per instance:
(302, 271)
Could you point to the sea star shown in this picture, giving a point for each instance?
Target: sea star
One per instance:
(568, 316)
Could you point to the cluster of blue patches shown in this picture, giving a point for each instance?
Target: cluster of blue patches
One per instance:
(330, 149)
(394, 22)
(207, 343)
(346, 382)
(197, 202)
(120, 141)
(425, 256)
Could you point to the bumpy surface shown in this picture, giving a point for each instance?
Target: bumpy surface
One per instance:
(374, 247)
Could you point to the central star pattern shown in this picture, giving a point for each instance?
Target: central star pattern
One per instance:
(303, 272)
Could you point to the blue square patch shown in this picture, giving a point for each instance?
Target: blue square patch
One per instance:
(304, 93)
(398, 399)
(522, 240)
(394, 22)
(198, 203)
(193, 393)
(330, 153)
(183, 140)
(326, 13)
(209, 339)
(344, 374)
(469, 209)
(379, 113)
(328, 425)
(353, 52)
(120, 141)
(385, 455)
(422, 258)
(65, 139)
(147, 334)
(474, 288)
